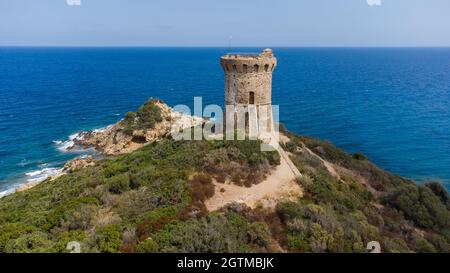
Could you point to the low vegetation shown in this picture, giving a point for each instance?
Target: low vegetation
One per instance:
(145, 118)
(362, 204)
(147, 201)
(152, 200)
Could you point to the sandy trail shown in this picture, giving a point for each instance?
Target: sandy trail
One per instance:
(280, 184)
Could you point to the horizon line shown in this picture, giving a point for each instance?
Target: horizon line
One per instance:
(206, 46)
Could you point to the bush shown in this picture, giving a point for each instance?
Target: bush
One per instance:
(440, 243)
(12, 231)
(154, 220)
(419, 204)
(242, 162)
(290, 146)
(215, 233)
(69, 236)
(147, 246)
(33, 242)
(359, 156)
(440, 192)
(145, 118)
(394, 245)
(108, 239)
(422, 246)
(119, 184)
(202, 187)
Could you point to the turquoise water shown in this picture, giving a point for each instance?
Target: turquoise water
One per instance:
(391, 104)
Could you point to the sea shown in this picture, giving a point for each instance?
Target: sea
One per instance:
(392, 104)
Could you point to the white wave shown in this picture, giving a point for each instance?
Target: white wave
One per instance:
(7, 192)
(69, 145)
(41, 175)
(34, 173)
(99, 130)
(32, 178)
(65, 146)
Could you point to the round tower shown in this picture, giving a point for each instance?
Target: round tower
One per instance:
(248, 79)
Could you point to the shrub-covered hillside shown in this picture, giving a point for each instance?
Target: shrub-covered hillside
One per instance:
(149, 200)
(362, 203)
(152, 200)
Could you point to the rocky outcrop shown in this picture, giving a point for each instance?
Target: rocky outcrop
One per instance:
(78, 163)
(115, 139)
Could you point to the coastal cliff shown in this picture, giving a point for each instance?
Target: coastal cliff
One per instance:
(155, 194)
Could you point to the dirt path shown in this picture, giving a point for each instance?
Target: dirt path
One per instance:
(280, 184)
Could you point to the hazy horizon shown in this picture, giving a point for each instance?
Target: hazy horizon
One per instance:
(221, 47)
(203, 23)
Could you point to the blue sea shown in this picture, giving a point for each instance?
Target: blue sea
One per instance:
(392, 104)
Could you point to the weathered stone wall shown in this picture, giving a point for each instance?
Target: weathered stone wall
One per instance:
(248, 79)
(246, 74)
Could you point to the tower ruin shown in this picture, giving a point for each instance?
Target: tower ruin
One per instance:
(248, 84)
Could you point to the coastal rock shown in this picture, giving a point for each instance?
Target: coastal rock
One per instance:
(115, 139)
(27, 186)
(78, 163)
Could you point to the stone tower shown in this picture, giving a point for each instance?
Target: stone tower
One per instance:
(248, 83)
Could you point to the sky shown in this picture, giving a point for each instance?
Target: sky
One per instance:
(220, 22)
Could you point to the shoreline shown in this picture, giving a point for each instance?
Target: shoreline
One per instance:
(85, 144)
(31, 178)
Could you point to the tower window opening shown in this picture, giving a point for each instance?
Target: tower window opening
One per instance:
(234, 68)
(256, 68)
(266, 68)
(251, 98)
(273, 66)
(245, 67)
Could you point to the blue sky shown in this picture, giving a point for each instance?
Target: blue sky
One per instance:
(212, 22)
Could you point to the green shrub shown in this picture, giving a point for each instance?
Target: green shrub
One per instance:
(155, 220)
(12, 231)
(145, 118)
(66, 237)
(394, 245)
(440, 243)
(147, 246)
(359, 156)
(119, 184)
(422, 246)
(290, 146)
(439, 190)
(108, 239)
(215, 233)
(421, 205)
(32, 242)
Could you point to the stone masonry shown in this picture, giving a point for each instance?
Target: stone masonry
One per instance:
(248, 81)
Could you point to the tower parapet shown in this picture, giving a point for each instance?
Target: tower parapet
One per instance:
(248, 77)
